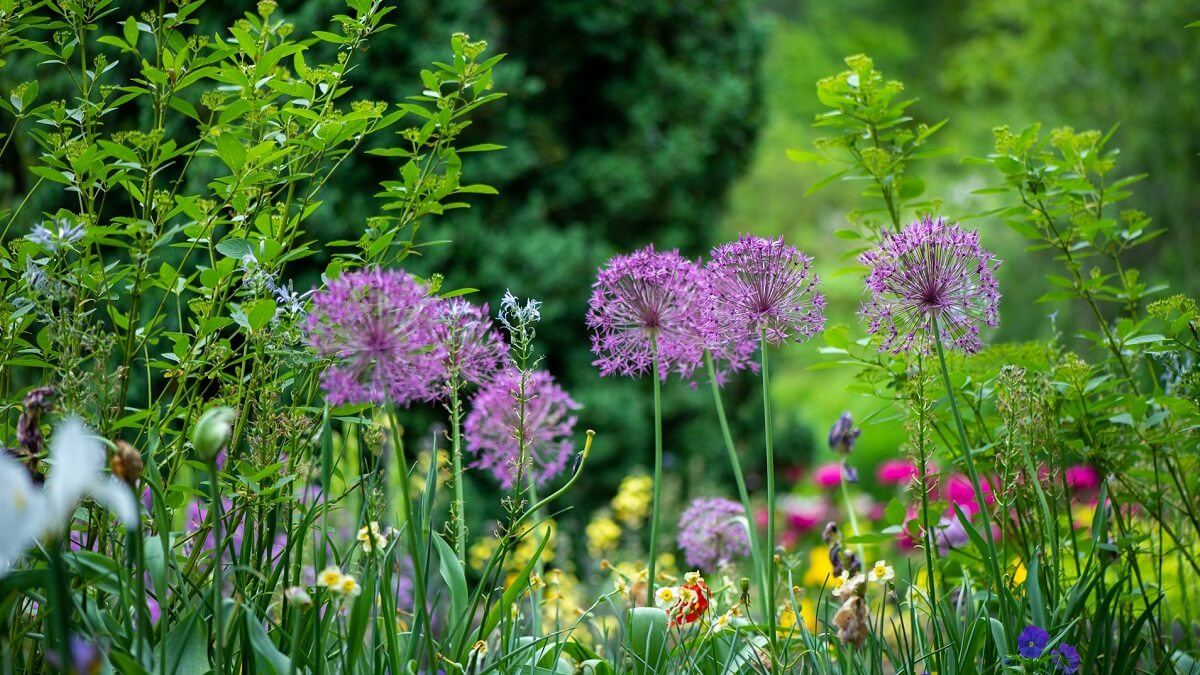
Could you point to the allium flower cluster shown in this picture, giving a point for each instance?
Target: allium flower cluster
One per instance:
(647, 305)
(475, 351)
(381, 326)
(494, 431)
(762, 287)
(931, 270)
(712, 531)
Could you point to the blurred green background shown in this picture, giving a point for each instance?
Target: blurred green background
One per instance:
(631, 122)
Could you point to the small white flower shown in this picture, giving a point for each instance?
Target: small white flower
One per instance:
(846, 585)
(666, 596)
(881, 572)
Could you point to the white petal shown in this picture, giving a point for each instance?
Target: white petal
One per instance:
(117, 497)
(21, 512)
(76, 458)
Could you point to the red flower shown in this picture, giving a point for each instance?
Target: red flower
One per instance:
(693, 601)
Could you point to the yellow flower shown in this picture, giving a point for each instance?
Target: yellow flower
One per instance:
(845, 585)
(1019, 573)
(692, 577)
(331, 578)
(481, 551)
(603, 535)
(632, 501)
(819, 567)
(536, 582)
(881, 572)
(373, 541)
(722, 622)
(621, 587)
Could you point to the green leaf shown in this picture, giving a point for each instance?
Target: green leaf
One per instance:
(131, 32)
(235, 248)
(187, 645)
(647, 639)
(870, 538)
(269, 658)
(260, 313)
(895, 512)
(231, 151)
(451, 569)
(825, 181)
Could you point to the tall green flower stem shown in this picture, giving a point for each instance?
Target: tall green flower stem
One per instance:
(410, 530)
(769, 433)
(214, 509)
(658, 462)
(457, 509)
(760, 556)
(973, 474)
(851, 515)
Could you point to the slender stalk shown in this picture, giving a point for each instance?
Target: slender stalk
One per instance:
(457, 509)
(769, 561)
(759, 555)
(972, 473)
(214, 508)
(657, 504)
(853, 517)
(410, 529)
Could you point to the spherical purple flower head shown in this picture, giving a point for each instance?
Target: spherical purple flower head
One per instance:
(713, 531)
(1032, 642)
(1065, 659)
(491, 427)
(643, 300)
(381, 325)
(762, 286)
(931, 269)
(474, 348)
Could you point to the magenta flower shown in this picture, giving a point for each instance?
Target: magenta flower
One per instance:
(381, 327)
(932, 269)
(827, 475)
(475, 351)
(643, 305)
(712, 531)
(1082, 477)
(762, 287)
(896, 472)
(493, 423)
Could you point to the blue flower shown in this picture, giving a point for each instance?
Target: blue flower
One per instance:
(1065, 659)
(1032, 642)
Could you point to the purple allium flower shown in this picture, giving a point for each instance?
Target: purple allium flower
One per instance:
(381, 325)
(492, 427)
(1065, 659)
(1032, 642)
(644, 300)
(762, 286)
(933, 269)
(843, 434)
(713, 531)
(475, 351)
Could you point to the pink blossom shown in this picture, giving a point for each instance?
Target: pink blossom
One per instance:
(827, 475)
(896, 472)
(1083, 477)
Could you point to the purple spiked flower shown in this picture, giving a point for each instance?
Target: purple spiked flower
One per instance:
(381, 325)
(713, 531)
(843, 434)
(492, 427)
(643, 305)
(475, 351)
(932, 269)
(762, 286)
(1032, 642)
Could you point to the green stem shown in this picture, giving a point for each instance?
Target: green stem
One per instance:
(972, 473)
(410, 529)
(759, 555)
(853, 517)
(769, 561)
(214, 507)
(460, 518)
(658, 461)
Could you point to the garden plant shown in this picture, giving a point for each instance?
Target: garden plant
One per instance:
(210, 468)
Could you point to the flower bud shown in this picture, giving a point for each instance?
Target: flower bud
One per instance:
(126, 463)
(211, 431)
(298, 596)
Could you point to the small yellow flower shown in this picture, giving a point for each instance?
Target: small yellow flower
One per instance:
(692, 577)
(846, 585)
(373, 541)
(881, 572)
(350, 587)
(331, 578)
(687, 595)
(1019, 573)
(621, 587)
(536, 582)
(722, 622)
(603, 535)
